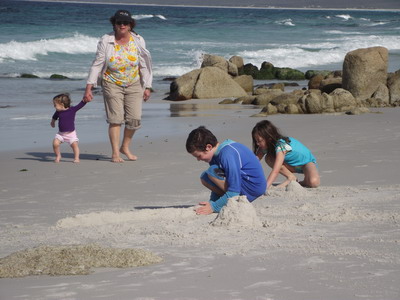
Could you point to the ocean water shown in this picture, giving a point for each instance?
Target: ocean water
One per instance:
(44, 38)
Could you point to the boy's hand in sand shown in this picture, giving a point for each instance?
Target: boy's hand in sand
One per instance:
(204, 208)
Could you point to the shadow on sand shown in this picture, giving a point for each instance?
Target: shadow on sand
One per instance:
(67, 157)
(161, 207)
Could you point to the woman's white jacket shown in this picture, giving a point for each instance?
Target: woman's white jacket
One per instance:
(105, 49)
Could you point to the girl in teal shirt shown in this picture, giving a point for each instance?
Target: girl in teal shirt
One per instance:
(285, 156)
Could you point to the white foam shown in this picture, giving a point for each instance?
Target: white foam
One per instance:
(328, 52)
(286, 22)
(148, 16)
(76, 44)
(345, 17)
(72, 75)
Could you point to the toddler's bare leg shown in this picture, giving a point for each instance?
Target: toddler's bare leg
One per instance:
(75, 148)
(56, 148)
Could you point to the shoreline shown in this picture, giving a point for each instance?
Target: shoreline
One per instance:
(216, 6)
(331, 148)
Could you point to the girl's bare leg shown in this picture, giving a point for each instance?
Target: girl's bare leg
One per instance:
(311, 176)
(75, 148)
(57, 152)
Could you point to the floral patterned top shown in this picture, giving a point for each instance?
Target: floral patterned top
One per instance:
(123, 66)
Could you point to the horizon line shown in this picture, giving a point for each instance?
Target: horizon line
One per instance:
(218, 6)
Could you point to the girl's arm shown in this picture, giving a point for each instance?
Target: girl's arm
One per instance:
(259, 153)
(280, 157)
(54, 118)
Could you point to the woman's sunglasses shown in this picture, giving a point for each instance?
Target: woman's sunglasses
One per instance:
(122, 23)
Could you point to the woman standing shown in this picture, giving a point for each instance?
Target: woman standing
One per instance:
(123, 68)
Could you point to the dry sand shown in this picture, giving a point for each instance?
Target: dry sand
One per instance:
(339, 241)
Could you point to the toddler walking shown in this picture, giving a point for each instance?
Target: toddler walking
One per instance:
(65, 114)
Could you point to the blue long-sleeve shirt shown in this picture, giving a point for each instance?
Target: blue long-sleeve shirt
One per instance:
(243, 172)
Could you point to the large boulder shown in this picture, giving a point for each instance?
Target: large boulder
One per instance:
(250, 69)
(212, 82)
(382, 93)
(219, 62)
(315, 82)
(285, 99)
(239, 63)
(289, 74)
(328, 85)
(364, 70)
(316, 103)
(267, 71)
(269, 109)
(339, 100)
(245, 81)
(182, 87)
(267, 96)
(312, 73)
(393, 85)
(343, 100)
(204, 83)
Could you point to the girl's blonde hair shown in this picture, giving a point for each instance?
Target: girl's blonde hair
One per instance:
(64, 99)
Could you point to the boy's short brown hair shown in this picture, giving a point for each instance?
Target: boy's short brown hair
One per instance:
(199, 138)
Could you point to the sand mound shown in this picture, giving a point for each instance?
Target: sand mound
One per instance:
(71, 260)
(237, 212)
(123, 217)
(295, 187)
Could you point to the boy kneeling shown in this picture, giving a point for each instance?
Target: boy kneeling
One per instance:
(234, 169)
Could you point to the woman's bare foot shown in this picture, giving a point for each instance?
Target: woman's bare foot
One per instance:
(128, 154)
(58, 158)
(76, 160)
(117, 159)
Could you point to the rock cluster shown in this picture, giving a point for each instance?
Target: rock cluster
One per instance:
(217, 78)
(363, 82)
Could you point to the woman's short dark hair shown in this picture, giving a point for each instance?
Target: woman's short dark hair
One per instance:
(131, 23)
(199, 138)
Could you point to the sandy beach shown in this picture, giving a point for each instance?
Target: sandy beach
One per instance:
(339, 241)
